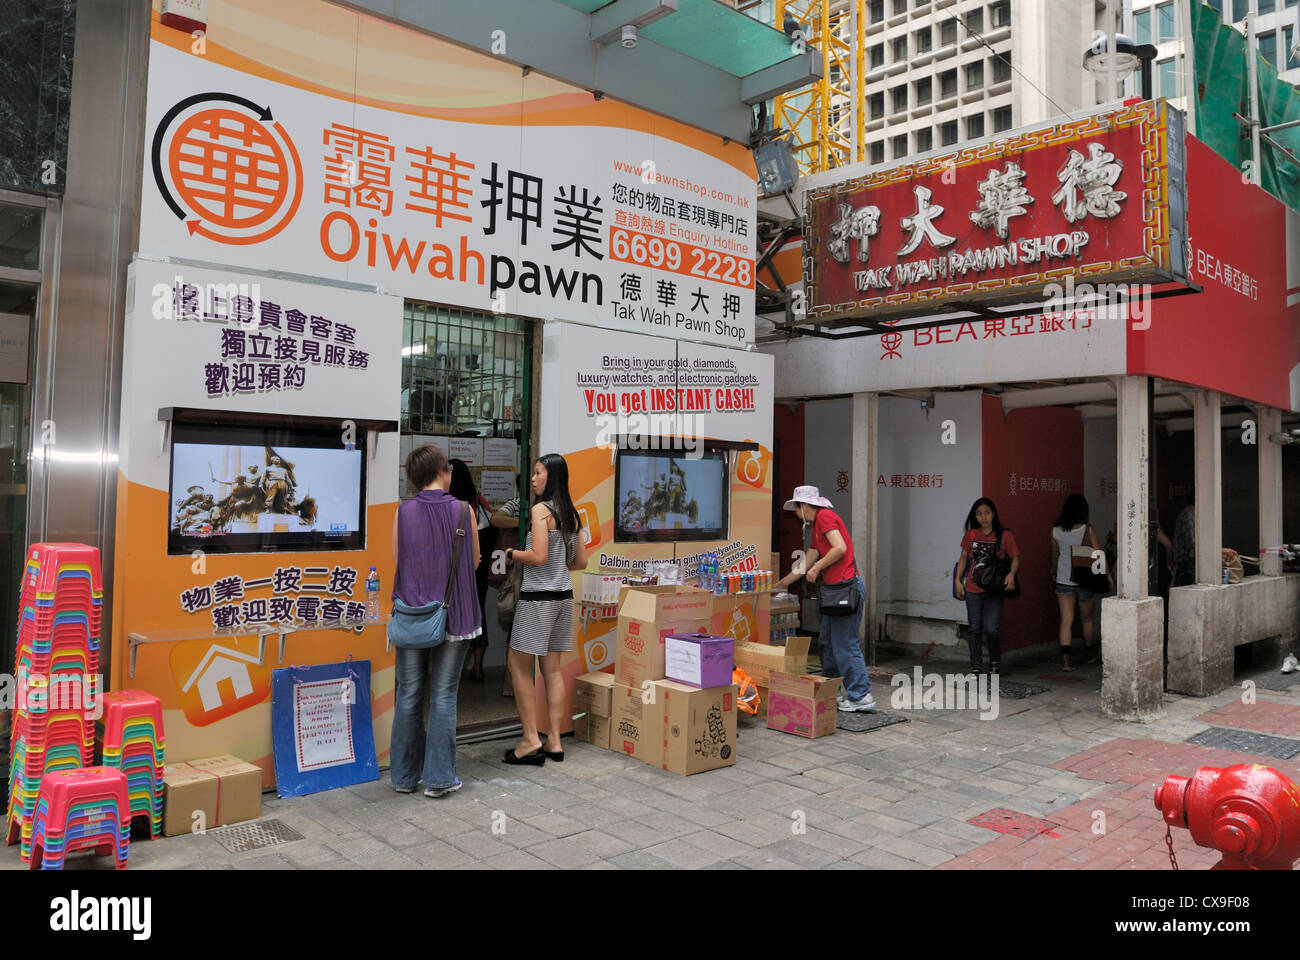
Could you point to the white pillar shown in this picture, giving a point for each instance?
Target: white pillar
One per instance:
(1134, 473)
(864, 467)
(1208, 460)
(1268, 421)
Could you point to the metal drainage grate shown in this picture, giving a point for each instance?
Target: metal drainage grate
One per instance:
(861, 722)
(1016, 824)
(1014, 690)
(1242, 741)
(244, 837)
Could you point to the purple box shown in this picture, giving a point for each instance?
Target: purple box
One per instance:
(699, 659)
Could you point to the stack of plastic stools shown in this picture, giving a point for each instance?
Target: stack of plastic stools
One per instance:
(81, 810)
(133, 742)
(57, 662)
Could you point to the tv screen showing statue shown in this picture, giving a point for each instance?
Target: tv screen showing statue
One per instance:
(244, 490)
(665, 496)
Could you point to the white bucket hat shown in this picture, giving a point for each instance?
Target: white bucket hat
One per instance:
(809, 495)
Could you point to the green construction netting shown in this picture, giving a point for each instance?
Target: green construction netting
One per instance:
(712, 33)
(1223, 88)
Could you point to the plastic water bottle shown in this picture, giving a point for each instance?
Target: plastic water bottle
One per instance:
(372, 594)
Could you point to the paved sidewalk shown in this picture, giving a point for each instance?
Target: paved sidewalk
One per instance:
(896, 797)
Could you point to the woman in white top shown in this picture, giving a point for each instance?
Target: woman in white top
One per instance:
(1073, 530)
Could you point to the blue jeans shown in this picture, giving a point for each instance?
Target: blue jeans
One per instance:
(984, 619)
(841, 653)
(435, 673)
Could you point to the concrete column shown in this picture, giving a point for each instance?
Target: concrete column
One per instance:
(1208, 460)
(865, 464)
(1134, 473)
(1132, 624)
(1268, 421)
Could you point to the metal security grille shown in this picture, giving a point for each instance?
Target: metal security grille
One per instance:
(244, 837)
(1240, 741)
(1014, 690)
(463, 374)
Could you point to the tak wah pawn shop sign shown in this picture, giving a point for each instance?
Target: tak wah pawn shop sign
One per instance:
(1101, 198)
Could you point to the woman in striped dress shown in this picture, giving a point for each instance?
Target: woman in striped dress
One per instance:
(543, 626)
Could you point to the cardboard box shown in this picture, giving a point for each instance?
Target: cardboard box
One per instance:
(593, 693)
(698, 660)
(241, 788)
(593, 729)
(187, 791)
(645, 616)
(636, 728)
(802, 705)
(759, 660)
(699, 727)
(745, 617)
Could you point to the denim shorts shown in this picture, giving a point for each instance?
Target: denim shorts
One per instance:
(1081, 593)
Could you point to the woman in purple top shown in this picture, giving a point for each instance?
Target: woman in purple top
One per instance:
(424, 533)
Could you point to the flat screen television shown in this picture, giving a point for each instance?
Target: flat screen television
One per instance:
(257, 489)
(669, 496)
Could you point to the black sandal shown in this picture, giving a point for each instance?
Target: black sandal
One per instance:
(535, 759)
(557, 756)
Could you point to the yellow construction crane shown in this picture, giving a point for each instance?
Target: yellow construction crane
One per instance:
(826, 121)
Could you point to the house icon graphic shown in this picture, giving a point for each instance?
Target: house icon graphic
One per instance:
(220, 664)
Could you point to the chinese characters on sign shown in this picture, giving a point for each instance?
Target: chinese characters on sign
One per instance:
(264, 346)
(1021, 484)
(298, 596)
(911, 480)
(991, 329)
(1210, 267)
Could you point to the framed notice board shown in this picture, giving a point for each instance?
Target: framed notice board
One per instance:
(321, 730)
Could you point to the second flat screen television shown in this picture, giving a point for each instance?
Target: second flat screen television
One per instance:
(667, 496)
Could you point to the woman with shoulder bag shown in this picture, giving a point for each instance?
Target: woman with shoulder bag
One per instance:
(463, 489)
(841, 596)
(1073, 541)
(543, 624)
(435, 613)
(985, 576)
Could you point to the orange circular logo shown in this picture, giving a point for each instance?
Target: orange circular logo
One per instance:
(227, 168)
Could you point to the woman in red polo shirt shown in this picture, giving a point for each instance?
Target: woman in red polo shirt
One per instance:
(831, 560)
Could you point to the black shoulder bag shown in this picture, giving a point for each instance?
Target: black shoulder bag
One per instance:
(991, 578)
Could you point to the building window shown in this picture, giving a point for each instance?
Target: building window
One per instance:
(900, 7)
(1239, 10)
(876, 11)
(1001, 69)
(975, 75)
(1000, 14)
(878, 152)
(924, 140)
(1267, 6)
(947, 84)
(924, 91)
(1291, 61)
(899, 95)
(1167, 21)
(1268, 46)
(923, 40)
(1142, 26)
(900, 146)
(900, 49)
(1001, 119)
(975, 20)
(876, 105)
(948, 32)
(948, 133)
(877, 56)
(1167, 78)
(975, 127)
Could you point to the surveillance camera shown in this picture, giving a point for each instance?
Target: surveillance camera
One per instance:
(629, 36)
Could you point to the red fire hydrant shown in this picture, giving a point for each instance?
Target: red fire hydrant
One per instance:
(1248, 812)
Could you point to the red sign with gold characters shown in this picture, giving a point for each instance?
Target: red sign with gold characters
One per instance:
(1001, 220)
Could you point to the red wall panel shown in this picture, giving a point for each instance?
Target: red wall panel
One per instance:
(1033, 460)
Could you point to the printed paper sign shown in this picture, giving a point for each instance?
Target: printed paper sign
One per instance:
(497, 485)
(498, 452)
(469, 449)
(322, 721)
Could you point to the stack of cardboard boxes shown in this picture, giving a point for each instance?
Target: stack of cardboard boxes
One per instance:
(638, 711)
(212, 792)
